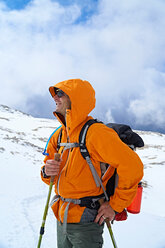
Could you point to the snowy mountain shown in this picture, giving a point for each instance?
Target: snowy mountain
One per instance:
(23, 195)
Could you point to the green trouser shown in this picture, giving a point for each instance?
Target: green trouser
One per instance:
(80, 235)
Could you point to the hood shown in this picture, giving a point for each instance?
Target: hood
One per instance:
(82, 96)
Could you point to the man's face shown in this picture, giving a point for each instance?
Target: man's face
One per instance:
(62, 102)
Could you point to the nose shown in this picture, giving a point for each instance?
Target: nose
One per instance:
(55, 97)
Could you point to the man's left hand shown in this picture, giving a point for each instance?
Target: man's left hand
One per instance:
(105, 212)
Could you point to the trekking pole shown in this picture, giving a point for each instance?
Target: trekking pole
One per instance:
(109, 228)
(57, 158)
(111, 233)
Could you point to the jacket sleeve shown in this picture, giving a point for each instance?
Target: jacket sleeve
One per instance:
(104, 145)
(51, 150)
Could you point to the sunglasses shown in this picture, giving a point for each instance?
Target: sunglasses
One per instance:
(59, 92)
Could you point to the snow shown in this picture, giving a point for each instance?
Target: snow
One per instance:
(23, 195)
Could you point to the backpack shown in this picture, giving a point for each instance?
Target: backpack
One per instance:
(125, 133)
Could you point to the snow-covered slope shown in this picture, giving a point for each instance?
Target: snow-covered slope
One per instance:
(23, 195)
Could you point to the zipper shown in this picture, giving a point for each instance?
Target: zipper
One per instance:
(58, 182)
(68, 141)
(66, 164)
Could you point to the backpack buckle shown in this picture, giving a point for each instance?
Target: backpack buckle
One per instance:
(93, 204)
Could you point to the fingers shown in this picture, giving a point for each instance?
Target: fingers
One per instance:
(105, 212)
(52, 167)
(100, 218)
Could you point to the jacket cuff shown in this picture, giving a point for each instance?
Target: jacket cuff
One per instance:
(43, 172)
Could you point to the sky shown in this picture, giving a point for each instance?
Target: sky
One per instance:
(117, 45)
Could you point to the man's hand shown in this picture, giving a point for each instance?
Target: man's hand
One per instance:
(52, 167)
(105, 212)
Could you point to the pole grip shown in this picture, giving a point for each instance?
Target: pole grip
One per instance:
(57, 156)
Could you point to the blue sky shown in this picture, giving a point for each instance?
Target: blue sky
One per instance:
(117, 45)
(16, 4)
(88, 7)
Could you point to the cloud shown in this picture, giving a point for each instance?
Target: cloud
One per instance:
(119, 48)
(150, 106)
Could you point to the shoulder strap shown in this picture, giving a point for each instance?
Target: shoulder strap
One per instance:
(86, 155)
(82, 137)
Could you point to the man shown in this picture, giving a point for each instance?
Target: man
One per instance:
(75, 99)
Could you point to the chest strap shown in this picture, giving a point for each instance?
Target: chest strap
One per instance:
(69, 145)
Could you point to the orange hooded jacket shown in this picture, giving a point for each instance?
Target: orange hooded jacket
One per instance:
(75, 179)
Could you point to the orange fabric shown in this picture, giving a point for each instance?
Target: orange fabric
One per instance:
(75, 179)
